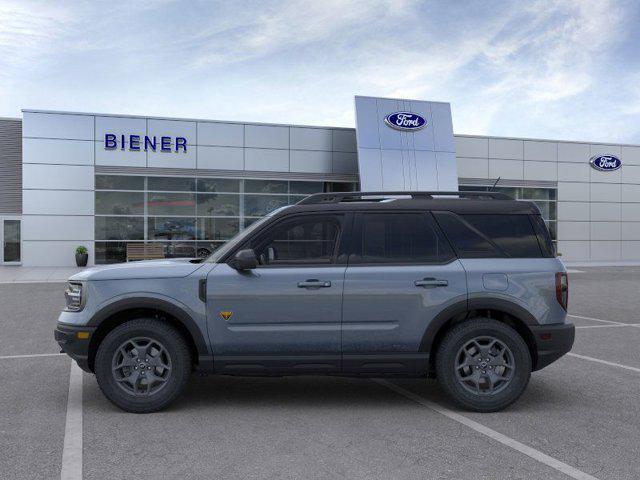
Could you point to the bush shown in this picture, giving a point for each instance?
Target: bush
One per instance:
(81, 250)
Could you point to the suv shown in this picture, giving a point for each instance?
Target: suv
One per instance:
(464, 286)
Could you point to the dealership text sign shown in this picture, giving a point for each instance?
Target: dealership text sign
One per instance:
(145, 143)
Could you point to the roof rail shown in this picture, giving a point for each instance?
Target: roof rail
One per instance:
(337, 197)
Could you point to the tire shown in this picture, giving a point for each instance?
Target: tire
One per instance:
(491, 392)
(203, 253)
(160, 376)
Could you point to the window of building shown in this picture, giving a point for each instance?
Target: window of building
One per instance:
(189, 216)
(10, 231)
(400, 238)
(119, 203)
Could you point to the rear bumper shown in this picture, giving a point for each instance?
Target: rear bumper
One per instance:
(552, 342)
(76, 348)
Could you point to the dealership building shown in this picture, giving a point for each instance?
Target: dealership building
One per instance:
(181, 187)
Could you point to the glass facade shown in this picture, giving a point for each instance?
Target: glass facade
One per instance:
(11, 241)
(188, 216)
(545, 198)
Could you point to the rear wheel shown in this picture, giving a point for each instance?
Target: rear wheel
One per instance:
(143, 365)
(483, 365)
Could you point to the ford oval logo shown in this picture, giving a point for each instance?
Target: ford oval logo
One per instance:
(405, 121)
(605, 163)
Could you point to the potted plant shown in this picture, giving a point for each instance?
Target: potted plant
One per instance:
(82, 255)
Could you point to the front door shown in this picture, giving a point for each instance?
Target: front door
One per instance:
(285, 314)
(10, 238)
(401, 274)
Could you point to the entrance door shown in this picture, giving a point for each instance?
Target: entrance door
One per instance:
(10, 237)
(285, 314)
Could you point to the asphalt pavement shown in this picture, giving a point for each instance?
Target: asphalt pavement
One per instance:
(579, 417)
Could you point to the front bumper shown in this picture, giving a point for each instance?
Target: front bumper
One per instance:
(77, 347)
(552, 342)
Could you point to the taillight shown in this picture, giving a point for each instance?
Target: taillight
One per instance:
(562, 289)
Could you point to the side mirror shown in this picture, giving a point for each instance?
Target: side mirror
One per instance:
(245, 260)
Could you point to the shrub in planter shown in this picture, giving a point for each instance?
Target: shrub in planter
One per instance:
(82, 256)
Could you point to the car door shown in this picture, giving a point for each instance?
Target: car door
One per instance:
(284, 315)
(401, 274)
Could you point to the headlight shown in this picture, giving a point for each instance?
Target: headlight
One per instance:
(73, 297)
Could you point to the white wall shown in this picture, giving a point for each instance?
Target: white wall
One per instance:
(598, 212)
(57, 182)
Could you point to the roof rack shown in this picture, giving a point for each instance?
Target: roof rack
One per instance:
(337, 197)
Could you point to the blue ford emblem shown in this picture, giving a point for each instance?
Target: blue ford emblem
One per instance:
(405, 121)
(605, 163)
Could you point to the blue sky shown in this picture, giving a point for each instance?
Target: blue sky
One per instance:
(546, 69)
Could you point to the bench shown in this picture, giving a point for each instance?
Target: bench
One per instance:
(140, 251)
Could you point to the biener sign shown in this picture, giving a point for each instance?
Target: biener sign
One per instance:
(145, 143)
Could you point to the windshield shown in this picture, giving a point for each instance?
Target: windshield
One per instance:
(240, 237)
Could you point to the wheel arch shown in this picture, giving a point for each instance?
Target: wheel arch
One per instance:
(126, 309)
(504, 311)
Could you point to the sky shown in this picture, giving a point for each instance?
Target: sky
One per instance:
(540, 69)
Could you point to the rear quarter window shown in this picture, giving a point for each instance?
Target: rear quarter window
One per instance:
(490, 235)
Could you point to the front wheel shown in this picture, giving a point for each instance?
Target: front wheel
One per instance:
(483, 365)
(143, 365)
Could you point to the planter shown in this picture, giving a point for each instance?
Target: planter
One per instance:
(81, 259)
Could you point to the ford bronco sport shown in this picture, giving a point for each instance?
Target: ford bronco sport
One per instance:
(463, 286)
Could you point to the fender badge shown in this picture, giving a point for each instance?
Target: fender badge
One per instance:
(226, 315)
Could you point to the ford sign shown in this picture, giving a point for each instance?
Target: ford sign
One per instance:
(405, 121)
(605, 163)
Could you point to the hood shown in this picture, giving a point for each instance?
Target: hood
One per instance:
(168, 268)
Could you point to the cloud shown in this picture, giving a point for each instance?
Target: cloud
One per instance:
(510, 68)
(27, 30)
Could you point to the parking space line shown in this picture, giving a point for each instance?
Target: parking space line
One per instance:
(597, 319)
(604, 362)
(494, 435)
(33, 355)
(610, 326)
(72, 449)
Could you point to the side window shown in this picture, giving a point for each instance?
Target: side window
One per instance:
(514, 234)
(468, 242)
(308, 239)
(490, 236)
(399, 238)
(544, 239)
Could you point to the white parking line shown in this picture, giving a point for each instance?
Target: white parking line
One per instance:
(610, 326)
(33, 355)
(604, 362)
(72, 449)
(497, 436)
(596, 319)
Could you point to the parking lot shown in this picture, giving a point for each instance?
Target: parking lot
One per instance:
(579, 418)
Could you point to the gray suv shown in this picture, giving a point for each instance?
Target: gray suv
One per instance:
(463, 286)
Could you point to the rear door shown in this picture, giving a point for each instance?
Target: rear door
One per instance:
(401, 274)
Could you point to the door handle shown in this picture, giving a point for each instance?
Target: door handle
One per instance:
(431, 283)
(313, 283)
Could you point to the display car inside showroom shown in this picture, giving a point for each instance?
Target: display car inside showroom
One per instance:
(132, 187)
